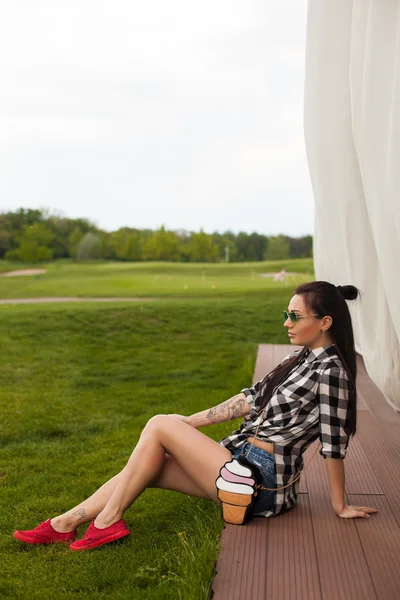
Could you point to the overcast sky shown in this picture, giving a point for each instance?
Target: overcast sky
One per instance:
(143, 113)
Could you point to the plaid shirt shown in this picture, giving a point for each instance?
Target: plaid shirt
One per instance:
(310, 403)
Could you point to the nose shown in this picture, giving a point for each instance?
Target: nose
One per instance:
(288, 323)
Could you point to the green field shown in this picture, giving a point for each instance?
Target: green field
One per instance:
(79, 382)
(151, 279)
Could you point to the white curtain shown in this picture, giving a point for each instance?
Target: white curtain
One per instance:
(352, 133)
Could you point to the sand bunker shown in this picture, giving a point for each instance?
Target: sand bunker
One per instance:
(276, 273)
(23, 272)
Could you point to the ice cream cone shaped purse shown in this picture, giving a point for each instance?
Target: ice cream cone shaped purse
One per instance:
(236, 488)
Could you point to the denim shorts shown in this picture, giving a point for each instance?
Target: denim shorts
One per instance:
(266, 465)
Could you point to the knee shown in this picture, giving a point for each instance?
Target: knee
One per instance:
(156, 423)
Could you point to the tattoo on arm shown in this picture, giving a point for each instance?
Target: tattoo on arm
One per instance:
(80, 513)
(228, 410)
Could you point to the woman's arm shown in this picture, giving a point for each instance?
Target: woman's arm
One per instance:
(235, 407)
(336, 481)
(333, 425)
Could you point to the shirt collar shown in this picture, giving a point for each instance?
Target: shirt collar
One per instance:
(321, 352)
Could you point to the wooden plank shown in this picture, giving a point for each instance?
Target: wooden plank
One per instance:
(269, 559)
(343, 569)
(360, 475)
(380, 538)
(252, 585)
(291, 568)
(269, 356)
(264, 361)
(370, 395)
(383, 454)
(240, 570)
(282, 350)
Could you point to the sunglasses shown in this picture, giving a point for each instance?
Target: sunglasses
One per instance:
(294, 317)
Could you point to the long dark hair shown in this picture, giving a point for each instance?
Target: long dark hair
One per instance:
(324, 298)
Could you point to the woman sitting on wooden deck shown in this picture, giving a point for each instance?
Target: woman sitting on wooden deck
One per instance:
(310, 394)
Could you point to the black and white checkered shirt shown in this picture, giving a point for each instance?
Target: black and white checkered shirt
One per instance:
(310, 403)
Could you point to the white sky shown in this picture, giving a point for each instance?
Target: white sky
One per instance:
(143, 113)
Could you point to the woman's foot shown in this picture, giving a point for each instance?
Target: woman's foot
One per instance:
(62, 525)
(95, 537)
(44, 534)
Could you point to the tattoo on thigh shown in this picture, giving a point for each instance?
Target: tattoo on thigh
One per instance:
(80, 513)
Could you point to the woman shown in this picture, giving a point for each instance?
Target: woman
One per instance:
(310, 394)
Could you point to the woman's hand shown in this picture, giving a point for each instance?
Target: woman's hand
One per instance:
(182, 418)
(351, 512)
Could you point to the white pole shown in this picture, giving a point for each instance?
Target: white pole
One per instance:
(227, 253)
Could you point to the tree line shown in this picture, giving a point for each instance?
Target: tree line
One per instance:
(31, 235)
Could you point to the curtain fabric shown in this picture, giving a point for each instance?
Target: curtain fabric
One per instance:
(352, 134)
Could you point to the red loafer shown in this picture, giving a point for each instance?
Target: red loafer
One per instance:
(97, 537)
(44, 534)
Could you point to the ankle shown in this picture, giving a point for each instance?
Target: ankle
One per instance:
(106, 520)
(63, 524)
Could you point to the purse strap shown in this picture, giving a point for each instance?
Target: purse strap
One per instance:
(261, 487)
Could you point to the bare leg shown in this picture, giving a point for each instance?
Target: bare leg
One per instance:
(172, 476)
(199, 456)
(87, 510)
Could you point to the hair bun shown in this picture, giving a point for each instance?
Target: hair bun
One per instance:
(349, 292)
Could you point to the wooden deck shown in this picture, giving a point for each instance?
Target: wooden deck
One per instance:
(310, 553)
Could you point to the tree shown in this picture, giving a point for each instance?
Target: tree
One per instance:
(184, 238)
(126, 244)
(300, 247)
(132, 249)
(40, 235)
(23, 217)
(74, 239)
(5, 236)
(278, 248)
(228, 238)
(243, 248)
(309, 242)
(201, 248)
(162, 245)
(259, 244)
(33, 244)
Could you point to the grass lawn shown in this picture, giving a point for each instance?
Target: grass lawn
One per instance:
(151, 279)
(78, 384)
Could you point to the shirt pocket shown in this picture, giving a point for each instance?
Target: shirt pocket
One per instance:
(299, 394)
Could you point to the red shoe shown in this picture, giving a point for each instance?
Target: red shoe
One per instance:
(97, 537)
(44, 534)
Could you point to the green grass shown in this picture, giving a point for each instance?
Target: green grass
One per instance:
(150, 279)
(79, 382)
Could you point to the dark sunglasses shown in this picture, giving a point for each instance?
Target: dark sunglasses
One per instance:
(295, 317)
